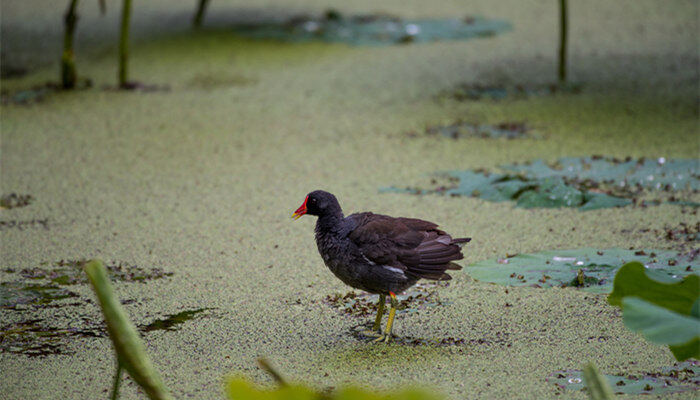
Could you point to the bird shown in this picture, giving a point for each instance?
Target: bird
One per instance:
(378, 253)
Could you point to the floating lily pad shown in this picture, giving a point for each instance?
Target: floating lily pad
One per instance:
(378, 29)
(365, 304)
(589, 269)
(586, 183)
(663, 174)
(506, 130)
(680, 377)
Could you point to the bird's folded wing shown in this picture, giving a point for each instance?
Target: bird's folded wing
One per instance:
(412, 245)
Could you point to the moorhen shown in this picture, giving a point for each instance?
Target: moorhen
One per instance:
(378, 253)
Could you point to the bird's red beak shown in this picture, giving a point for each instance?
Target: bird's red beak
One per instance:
(301, 210)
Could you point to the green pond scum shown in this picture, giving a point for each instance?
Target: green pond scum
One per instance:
(200, 180)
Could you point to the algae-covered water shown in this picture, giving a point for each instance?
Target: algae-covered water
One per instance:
(197, 180)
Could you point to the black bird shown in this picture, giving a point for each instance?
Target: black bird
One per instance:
(378, 253)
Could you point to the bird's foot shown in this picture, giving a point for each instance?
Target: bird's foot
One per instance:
(371, 333)
(383, 338)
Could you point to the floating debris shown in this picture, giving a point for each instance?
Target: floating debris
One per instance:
(375, 29)
(14, 200)
(364, 304)
(219, 81)
(24, 224)
(38, 93)
(589, 269)
(506, 130)
(681, 377)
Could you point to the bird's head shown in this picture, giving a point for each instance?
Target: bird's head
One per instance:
(317, 203)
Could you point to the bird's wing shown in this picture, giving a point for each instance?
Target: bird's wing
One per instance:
(412, 245)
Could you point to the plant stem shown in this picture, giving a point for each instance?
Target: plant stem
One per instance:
(117, 381)
(124, 43)
(563, 34)
(68, 72)
(275, 375)
(199, 16)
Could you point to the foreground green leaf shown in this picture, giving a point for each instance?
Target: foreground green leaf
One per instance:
(131, 353)
(598, 388)
(664, 312)
(633, 280)
(658, 324)
(238, 388)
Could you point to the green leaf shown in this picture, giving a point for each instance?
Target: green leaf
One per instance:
(239, 388)
(658, 324)
(685, 351)
(632, 280)
(598, 388)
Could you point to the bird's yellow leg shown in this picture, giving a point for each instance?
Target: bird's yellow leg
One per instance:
(380, 312)
(386, 337)
(377, 327)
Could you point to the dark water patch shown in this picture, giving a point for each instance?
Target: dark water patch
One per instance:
(24, 224)
(47, 283)
(20, 295)
(14, 200)
(172, 322)
(372, 30)
(681, 377)
(34, 338)
(136, 86)
(70, 272)
(589, 269)
(11, 71)
(364, 304)
(586, 183)
(476, 91)
(504, 130)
